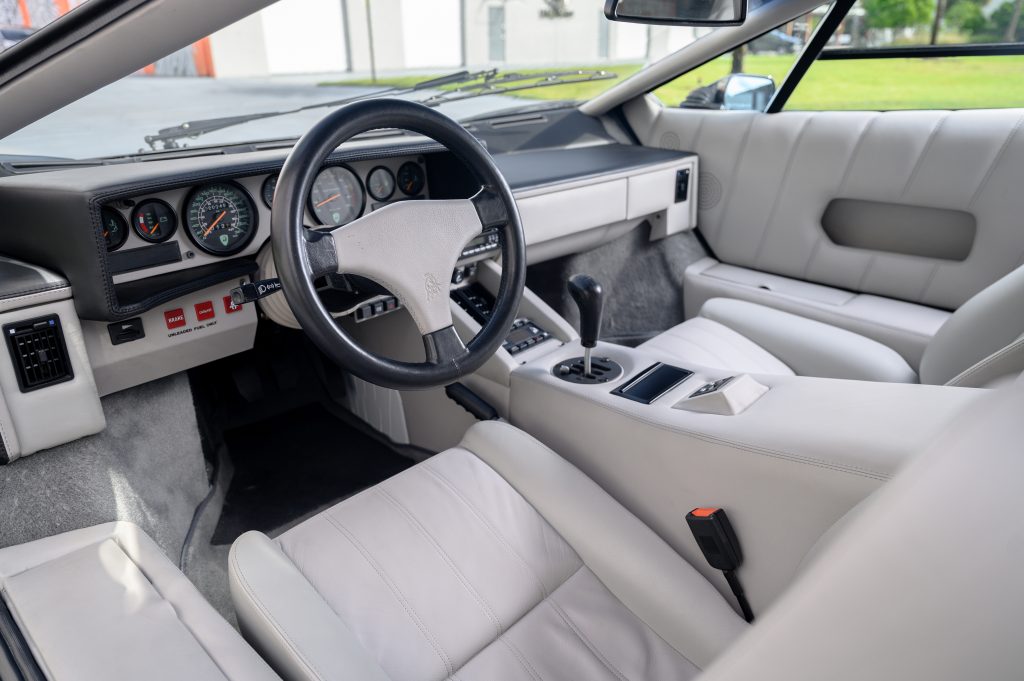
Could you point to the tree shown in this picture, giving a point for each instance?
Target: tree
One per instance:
(897, 13)
(1011, 28)
(967, 16)
(737, 59)
(940, 9)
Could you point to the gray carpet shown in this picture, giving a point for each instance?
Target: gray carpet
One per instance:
(146, 467)
(642, 281)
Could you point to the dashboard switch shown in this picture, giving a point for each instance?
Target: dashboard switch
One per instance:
(230, 306)
(204, 311)
(175, 318)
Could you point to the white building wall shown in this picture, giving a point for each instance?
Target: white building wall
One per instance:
(295, 43)
(431, 33)
(309, 36)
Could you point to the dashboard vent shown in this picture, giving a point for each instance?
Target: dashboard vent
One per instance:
(38, 351)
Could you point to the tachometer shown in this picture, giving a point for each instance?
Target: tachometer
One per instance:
(380, 183)
(220, 218)
(337, 196)
(154, 221)
(115, 228)
(411, 179)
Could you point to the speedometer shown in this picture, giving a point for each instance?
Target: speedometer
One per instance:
(337, 196)
(221, 218)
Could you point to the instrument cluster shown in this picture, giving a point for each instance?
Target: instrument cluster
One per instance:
(221, 218)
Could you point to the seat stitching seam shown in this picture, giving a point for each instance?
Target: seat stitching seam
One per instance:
(855, 154)
(795, 150)
(984, 363)
(996, 160)
(584, 640)
(476, 595)
(266, 613)
(723, 223)
(395, 591)
(737, 347)
(485, 521)
(924, 153)
(503, 638)
(518, 654)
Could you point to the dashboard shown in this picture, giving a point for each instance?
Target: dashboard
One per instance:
(155, 233)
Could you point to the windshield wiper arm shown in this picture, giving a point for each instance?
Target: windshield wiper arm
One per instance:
(506, 83)
(169, 137)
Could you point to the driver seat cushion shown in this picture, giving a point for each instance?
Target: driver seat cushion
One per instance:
(494, 560)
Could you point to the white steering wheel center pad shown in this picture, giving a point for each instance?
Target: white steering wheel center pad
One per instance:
(411, 248)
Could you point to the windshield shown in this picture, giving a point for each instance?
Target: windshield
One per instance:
(297, 53)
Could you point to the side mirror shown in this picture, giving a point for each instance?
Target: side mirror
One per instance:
(678, 12)
(736, 92)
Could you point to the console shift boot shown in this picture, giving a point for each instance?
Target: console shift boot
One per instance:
(602, 370)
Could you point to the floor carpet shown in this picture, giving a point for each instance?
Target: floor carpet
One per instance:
(293, 464)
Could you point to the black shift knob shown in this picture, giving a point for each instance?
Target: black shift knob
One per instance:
(589, 297)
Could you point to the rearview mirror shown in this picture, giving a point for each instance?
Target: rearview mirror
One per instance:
(678, 12)
(737, 92)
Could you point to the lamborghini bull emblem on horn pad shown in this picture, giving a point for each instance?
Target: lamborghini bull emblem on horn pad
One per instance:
(432, 286)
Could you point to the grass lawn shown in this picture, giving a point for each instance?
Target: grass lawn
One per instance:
(954, 83)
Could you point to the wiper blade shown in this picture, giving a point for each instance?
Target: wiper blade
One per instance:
(168, 137)
(517, 82)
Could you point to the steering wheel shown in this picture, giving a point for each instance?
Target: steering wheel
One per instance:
(409, 247)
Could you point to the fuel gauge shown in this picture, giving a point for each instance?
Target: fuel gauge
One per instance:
(115, 228)
(154, 221)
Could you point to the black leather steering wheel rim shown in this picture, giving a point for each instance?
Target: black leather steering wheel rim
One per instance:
(301, 254)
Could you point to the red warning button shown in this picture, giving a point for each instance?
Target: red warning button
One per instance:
(174, 318)
(204, 311)
(229, 305)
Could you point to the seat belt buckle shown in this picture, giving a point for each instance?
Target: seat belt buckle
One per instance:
(715, 537)
(717, 541)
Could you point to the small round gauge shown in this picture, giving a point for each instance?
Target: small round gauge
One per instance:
(220, 218)
(337, 196)
(115, 228)
(380, 183)
(154, 221)
(411, 179)
(269, 187)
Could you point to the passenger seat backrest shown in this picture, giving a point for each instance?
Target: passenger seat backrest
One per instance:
(766, 180)
(983, 340)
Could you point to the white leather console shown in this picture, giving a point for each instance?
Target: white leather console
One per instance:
(105, 604)
(808, 450)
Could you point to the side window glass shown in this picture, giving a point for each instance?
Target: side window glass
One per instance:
(746, 78)
(863, 67)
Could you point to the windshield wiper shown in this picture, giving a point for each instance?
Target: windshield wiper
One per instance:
(516, 82)
(169, 137)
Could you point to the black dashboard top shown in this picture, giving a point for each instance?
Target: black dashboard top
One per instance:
(52, 219)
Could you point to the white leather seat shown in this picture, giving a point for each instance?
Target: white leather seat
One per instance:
(105, 604)
(498, 560)
(494, 560)
(981, 345)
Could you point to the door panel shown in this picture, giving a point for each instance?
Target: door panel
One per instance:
(767, 180)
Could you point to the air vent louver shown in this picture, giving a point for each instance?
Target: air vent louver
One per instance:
(38, 352)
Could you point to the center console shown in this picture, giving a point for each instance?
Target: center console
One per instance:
(787, 456)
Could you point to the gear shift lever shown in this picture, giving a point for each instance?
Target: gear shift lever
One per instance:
(589, 297)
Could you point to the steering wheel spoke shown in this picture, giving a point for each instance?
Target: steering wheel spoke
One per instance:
(444, 346)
